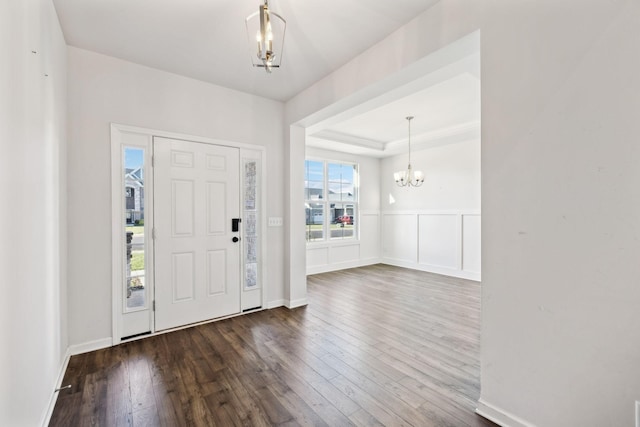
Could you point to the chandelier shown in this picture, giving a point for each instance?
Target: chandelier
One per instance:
(266, 28)
(409, 177)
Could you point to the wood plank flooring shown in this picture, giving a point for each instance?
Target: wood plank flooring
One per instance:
(377, 345)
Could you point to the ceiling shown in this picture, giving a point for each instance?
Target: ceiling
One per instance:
(207, 40)
(444, 113)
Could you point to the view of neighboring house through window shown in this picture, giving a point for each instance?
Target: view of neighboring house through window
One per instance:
(330, 200)
(134, 224)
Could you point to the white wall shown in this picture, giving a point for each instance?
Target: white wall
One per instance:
(452, 178)
(435, 227)
(32, 213)
(560, 245)
(104, 90)
(333, 255)
(560, 206)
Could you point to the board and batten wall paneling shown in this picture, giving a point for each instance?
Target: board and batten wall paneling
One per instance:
(344, 253)
(334, 255)
(399, 242)
(317, 256)
(471, 238)
(370, 236)
(439, 242)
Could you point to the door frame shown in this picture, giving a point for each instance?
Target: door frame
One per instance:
(144, 139)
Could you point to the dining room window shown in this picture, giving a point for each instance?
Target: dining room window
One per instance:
(331, 200)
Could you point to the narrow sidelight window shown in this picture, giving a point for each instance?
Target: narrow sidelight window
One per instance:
(133, 170)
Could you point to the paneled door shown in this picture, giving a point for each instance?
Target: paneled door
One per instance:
(197, 254)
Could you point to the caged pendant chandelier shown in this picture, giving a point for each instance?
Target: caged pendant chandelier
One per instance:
(409, 177)
(266, 29)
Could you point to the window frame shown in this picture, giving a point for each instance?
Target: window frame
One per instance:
(326, 203)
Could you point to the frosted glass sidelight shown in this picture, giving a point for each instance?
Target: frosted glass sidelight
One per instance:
(250, 223)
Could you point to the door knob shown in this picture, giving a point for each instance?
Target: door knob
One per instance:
(235, 239)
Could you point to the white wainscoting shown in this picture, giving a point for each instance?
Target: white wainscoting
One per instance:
(340, 254)
(443, 242)
(399, 241)
(471, 250)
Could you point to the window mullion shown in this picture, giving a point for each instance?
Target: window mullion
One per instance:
(327, 229)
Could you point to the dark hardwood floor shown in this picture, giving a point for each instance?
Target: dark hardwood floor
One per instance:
(376, 345)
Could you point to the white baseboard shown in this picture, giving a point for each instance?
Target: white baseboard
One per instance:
(500, 416)
(54, 395)
(296, 303)
(451, 272)
(287, 303)
(275, 304)
(71, 351)
(90, 346)
(326, 268)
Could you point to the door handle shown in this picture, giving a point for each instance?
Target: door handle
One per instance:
(235, 222)
(235, 239)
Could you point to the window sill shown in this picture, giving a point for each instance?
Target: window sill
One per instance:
(333, 243)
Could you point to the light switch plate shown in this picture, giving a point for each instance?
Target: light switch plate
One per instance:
(275, 221)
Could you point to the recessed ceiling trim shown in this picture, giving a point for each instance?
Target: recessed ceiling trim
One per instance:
(437, 138)
(440, 133)
(349, 139)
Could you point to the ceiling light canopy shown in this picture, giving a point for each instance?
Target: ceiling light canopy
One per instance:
(266, 28)
(409, 177)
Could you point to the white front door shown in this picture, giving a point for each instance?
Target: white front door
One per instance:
(197, 255)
